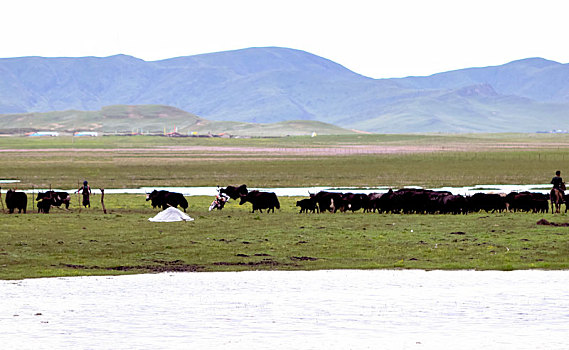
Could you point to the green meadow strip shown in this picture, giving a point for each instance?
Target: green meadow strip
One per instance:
(87, 242)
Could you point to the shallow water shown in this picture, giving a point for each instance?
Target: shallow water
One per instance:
(341, 309)
(305, 191)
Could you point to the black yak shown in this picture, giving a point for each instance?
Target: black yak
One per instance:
(307, 204)
(234, 192)
(164, 199)
(261, 200)
(56, 199)
(16, 200)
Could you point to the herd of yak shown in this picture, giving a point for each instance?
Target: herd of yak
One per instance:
(420, 201)
(45, 200)
(404, 201)
(260, 200)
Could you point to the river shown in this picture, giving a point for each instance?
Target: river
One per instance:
(339, 309)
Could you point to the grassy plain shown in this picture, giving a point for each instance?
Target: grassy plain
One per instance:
(349, 160)
(86, 242)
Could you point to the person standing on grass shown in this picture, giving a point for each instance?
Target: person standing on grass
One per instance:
(558, 184)
(86, 192)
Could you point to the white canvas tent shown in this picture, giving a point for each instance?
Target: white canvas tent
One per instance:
(171, 214)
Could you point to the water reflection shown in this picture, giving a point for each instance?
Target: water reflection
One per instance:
(308, 310)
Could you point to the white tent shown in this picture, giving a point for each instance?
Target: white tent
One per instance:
(171, 214)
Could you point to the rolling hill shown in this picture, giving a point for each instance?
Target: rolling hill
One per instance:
(154, 119)
(271, 85)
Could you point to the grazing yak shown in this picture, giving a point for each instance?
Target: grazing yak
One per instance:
(16, 200)
(234, 192)
(333, 201)
(487, 202)
(44, 205)
(527, 201)
(355, 201)
(453, 204)
(261, 200)
(307, 204)
(156, 198)
(328, 201)
(164, 199)
(371, 204)
(55, 199)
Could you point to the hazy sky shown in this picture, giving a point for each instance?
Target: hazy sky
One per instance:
(379, 39)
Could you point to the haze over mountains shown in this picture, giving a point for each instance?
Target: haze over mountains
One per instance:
(267, 85)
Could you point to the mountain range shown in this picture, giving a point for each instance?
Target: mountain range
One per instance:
(272, 84)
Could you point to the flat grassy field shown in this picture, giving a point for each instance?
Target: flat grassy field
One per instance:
(88, 242)
(360, 160)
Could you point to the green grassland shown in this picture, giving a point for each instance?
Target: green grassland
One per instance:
(158, 161)
(554, 140)
(88, 242)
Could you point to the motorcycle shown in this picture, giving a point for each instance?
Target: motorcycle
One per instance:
(219, 202)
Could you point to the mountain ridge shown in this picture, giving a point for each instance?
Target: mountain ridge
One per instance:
(272, 84)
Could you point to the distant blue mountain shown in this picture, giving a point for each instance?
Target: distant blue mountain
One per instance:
(534, 78)
(277, 84)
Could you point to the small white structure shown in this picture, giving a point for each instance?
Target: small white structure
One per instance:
(86, 133)
(171, 214)
(44, 133)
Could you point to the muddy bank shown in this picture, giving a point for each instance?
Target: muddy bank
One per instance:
(158, 266)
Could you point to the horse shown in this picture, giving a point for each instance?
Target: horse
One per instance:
(556, 200)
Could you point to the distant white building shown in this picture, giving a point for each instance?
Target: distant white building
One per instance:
(44, 133)
(86, 133)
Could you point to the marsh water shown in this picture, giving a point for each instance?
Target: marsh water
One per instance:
(305, 191)
(339, 309)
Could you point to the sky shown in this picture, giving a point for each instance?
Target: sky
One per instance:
(378, 39)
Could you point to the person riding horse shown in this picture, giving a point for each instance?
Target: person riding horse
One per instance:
(557, 193)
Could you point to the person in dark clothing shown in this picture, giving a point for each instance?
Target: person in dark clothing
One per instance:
(86, 192)
(558, 184)
(557, 181)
